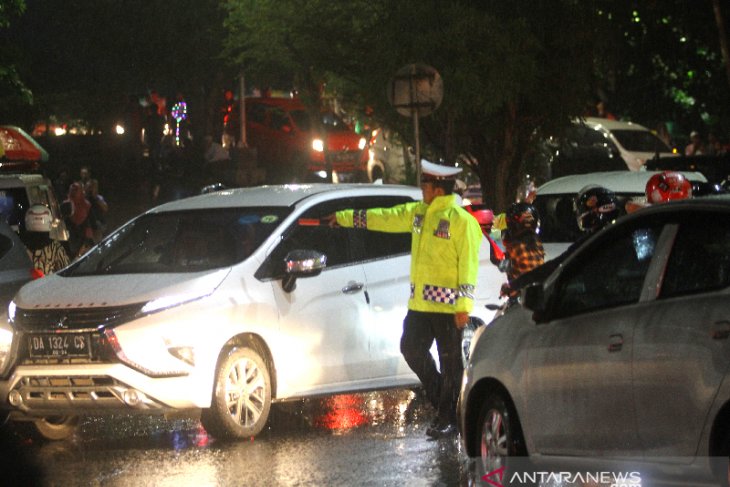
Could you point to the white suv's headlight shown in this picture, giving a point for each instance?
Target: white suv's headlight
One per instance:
(6, 342)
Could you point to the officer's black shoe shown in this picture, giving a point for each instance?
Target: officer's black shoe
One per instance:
(442, 431)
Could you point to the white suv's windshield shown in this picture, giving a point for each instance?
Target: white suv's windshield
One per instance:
(184, 241)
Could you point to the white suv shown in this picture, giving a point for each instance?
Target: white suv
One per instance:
(223, 302)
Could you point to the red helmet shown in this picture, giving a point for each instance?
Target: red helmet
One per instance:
(484, 215)
(667, 186)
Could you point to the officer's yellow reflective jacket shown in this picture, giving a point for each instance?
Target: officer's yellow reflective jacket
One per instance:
(444, 249)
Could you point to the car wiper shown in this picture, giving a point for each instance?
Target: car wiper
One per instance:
(101, 269)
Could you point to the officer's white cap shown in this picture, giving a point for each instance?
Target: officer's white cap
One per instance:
(431, 171)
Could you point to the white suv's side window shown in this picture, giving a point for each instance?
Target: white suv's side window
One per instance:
(342, 246)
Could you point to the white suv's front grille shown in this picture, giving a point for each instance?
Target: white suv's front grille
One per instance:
(74, 318)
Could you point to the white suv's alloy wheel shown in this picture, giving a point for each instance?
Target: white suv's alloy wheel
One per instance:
(242, 395)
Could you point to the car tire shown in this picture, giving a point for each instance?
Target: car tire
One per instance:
(500, 434)
(56, 427)
(241, 396)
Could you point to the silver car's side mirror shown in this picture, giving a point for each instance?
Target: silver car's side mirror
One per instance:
(301, 263)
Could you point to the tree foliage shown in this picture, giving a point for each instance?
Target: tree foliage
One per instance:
(10, 81)
(507, 72)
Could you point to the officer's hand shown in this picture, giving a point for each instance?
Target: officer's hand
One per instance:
(330, 220)
(460, 320)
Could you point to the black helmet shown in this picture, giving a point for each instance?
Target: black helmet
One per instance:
(522, 217)
(595, 206)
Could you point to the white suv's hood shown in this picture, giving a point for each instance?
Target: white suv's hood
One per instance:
(100, 291)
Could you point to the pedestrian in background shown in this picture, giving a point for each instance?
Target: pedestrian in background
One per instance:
(444, 263)
(696, 145)
(97, 211)
(78, 224)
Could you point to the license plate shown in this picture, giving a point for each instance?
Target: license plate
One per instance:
(59, 345)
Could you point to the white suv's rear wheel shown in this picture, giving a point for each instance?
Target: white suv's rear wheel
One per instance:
(242, 395)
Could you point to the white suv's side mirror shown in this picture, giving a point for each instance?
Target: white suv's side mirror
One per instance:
(302, 263)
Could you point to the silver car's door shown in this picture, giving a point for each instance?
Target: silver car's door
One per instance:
(322, 319)
(578, 370)
(682, 348)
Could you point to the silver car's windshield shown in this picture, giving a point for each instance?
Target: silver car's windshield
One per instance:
(182, 241)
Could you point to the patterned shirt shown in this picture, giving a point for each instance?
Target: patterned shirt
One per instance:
(50, 258)
(524, 254)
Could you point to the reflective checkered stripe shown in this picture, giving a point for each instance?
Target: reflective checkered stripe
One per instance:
(466, 291)
(360, 218)
(439, 294)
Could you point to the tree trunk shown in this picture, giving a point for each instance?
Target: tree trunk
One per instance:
(720, 21)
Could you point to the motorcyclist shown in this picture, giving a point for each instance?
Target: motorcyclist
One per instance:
(522, 244)
(594, 208)
(485, 217)
(662, 187)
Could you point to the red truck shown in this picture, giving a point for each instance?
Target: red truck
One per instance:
(293, 144)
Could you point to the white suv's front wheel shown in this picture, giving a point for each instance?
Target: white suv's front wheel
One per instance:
(241, 397)
(57, 427)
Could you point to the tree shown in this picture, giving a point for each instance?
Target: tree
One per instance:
(662, 62)
(508, 73)
(10, 81)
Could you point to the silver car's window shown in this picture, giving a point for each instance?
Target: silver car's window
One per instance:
(700, 258)
(184, 241)
(608, 273)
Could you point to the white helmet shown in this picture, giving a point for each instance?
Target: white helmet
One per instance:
(38, 218)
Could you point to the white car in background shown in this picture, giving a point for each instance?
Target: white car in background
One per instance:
(223, 302)
(635, 143)
(555, 199)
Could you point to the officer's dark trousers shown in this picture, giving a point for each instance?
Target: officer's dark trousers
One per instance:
(419, 331)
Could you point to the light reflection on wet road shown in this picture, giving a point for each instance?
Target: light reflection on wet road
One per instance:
(353, 439)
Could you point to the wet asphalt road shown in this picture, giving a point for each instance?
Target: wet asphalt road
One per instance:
(354, 439)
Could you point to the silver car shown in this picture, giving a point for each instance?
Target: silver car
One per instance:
(622, 353)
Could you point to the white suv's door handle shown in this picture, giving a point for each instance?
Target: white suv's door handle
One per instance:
(352, 287)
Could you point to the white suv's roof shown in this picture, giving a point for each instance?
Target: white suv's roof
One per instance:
(617, 181)
(284, 195)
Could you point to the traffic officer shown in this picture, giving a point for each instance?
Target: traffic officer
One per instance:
(444, 263)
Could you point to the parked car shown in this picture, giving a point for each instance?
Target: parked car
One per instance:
(18, 192)
(291, 142)
(598, 144)
(623, 353)
(554, 201)
(224, 302)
